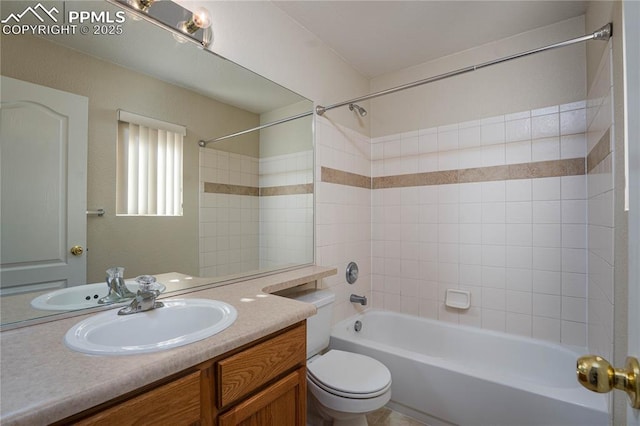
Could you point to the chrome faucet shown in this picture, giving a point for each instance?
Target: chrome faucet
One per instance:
(118, 291)
(358, 299)
(145, 300)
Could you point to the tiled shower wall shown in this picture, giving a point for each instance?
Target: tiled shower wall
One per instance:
(343, 211)
(286, 214)
(229, 223)
(497, 208)
(600, 183)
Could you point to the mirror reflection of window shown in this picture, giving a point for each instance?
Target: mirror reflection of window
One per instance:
(149, 163)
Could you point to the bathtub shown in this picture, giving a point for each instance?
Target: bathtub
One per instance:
(444, 374)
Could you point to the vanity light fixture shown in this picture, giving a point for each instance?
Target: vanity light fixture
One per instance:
(185, 24)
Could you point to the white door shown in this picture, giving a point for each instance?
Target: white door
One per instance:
(631, 14)
(43, 164)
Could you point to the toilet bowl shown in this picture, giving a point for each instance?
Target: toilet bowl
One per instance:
(342, 387)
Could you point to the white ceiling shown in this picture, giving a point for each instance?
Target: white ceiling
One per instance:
(378, 37)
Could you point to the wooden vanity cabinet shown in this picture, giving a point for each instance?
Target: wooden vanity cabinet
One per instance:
(260, 384)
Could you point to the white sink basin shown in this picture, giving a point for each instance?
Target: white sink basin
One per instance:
(179, 322)
(80, 297)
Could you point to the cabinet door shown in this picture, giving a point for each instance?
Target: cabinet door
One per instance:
(176, 403)
(247, 371)
(281, 404)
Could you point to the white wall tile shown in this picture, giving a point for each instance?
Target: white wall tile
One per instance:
(519, 257)
(544, 126)
(518, 190)
(546, 212)
(518, 279)
(546, 188)
(573, 146)
(448, 140)
(573, 121)
(547, 282)
(516, 245)
(518, 130)
(519, 234)
(469, 137)
(547, 235)
(519, 212)
(493, 191)
(546, 328)
(518, 152)
(545, 149)
(547, 259)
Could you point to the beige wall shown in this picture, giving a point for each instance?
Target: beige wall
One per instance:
(259, 36)
(287, 138)
(140, 244)
(550, 78)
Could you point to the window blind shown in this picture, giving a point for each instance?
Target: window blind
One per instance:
(149, 176)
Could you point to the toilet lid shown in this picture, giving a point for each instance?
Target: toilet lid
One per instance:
(348, 374)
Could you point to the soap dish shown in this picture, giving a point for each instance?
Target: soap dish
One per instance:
(457, 299)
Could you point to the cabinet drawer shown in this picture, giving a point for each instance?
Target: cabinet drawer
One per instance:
(246, 371)
(176, 403)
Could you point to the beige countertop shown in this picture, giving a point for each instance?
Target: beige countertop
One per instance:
(43, 381)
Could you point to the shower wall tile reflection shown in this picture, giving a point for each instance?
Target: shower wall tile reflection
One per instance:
(286, 219)
(518, 245)
(229, 222)
(254, 213)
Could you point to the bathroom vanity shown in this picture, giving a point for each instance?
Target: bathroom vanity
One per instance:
(264, 379)
(254, 368)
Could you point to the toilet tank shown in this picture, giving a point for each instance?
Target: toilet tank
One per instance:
(319, 325)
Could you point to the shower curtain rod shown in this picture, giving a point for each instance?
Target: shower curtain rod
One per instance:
(204, 143)
(603, 33)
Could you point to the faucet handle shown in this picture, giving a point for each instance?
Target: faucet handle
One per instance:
(146, 283)
(115, 272)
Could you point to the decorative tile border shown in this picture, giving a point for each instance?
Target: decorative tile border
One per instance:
(222, 188)
(304, 188)
(600, 151)
(540, 169)
(340, 177)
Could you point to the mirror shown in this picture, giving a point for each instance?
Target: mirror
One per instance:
(247, 201)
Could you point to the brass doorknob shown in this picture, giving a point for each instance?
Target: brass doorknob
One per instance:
(596, 374)
(77, 250)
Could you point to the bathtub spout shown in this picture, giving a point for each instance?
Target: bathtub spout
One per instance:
(358, 299)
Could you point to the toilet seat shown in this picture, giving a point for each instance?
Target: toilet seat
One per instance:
(349, 375)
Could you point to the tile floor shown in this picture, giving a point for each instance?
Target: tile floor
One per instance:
(388, 417)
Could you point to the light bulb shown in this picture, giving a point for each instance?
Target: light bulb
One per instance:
(142, 5)
(201, 18)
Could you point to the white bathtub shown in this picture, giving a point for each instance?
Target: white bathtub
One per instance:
(447, 374)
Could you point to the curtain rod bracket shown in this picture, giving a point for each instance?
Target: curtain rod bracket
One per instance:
(603, 33)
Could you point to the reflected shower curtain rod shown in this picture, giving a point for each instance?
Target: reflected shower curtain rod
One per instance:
(603, 33)
(204, 143)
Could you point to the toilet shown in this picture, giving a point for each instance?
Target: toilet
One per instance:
(343, 387)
